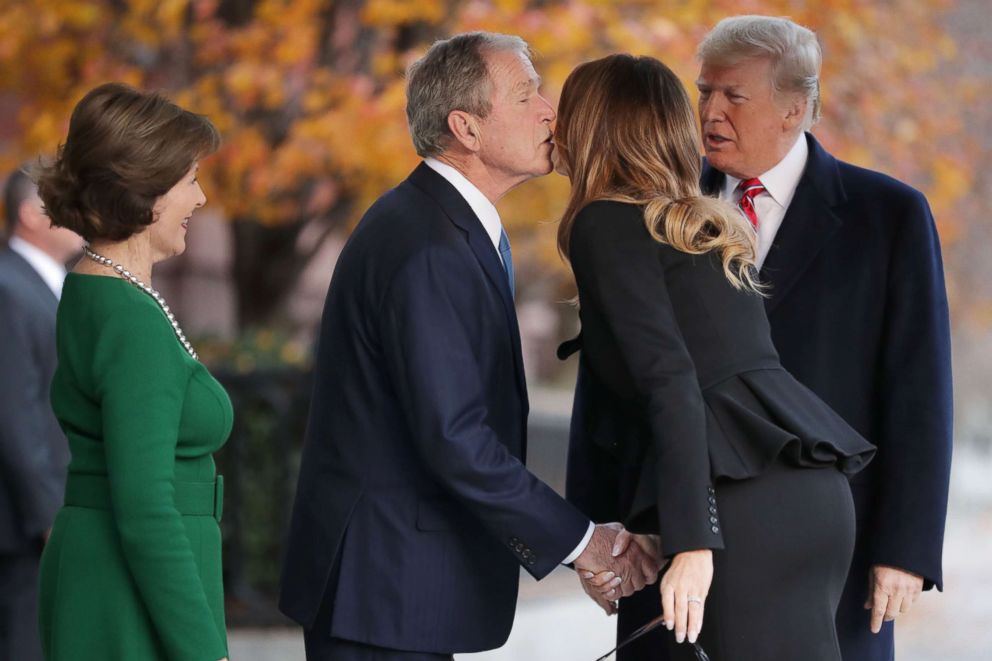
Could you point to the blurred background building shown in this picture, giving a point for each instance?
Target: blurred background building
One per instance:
(308, 95)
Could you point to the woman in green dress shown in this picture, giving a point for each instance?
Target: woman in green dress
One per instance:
(133, 566)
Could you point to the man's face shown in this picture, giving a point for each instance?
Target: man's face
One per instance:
(746, 130)
(516, 136)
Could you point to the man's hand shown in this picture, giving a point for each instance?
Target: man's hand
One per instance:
(610, 552)
(891, 592)
(605, 583)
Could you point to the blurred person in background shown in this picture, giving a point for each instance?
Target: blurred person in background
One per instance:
(33, 450)
(856, 302)
(685, 423)
(132, 569)
(414, 511)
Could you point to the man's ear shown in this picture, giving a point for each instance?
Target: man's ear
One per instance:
(465, 128)
(31, 216)
(795, 111)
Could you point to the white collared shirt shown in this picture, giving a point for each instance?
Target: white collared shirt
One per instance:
(47, 268)
(491, 222)
(780, 187)
(479, 203)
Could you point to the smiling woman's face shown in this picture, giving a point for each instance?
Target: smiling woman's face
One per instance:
(172, 215)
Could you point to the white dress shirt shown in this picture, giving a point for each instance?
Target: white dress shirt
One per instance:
(50, 270)
(490, 220)
(780, 186)
(479, 203)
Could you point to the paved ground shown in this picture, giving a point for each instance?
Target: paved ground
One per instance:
(555, 622)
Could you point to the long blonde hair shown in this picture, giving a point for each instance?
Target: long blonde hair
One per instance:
(626, 132)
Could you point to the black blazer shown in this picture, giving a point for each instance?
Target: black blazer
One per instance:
(679, 384)
(858, 313)
(34, 452)
(412, 478)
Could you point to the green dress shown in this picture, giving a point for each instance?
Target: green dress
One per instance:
(133, 566)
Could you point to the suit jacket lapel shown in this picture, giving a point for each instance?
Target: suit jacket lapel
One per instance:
(461, 214)
(808, 224)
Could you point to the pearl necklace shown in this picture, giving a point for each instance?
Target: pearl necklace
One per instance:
(133, 279)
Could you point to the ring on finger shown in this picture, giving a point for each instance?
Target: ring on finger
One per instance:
(694, 600)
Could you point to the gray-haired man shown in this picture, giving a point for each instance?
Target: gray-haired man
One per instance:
(414, 510)
(858, 313)
(857, 304)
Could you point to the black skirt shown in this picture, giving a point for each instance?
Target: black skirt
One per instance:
(789, 536)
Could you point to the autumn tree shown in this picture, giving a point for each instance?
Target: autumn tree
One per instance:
(308, 95)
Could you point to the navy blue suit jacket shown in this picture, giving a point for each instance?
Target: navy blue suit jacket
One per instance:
(34, 452)
(414, 510)
(858, 313)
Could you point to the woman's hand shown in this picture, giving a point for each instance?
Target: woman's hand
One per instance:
(598, 586)
(684, 588)
(650, 544)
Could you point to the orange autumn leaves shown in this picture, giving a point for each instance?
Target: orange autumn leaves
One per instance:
(309, 93)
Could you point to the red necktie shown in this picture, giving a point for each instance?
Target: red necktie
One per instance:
(750, 189)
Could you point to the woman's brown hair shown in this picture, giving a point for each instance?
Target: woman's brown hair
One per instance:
(125, 149)
(626, 132)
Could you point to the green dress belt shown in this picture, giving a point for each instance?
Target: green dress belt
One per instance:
(191, 498)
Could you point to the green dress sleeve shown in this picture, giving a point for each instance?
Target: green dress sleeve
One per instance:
(141, 376)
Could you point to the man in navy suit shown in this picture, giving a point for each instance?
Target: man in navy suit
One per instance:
(414, 511)
(33, 450)
(857, 304)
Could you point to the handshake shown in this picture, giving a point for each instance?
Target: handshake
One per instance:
(617, 563)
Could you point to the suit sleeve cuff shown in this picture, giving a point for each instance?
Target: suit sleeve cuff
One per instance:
(582, 545)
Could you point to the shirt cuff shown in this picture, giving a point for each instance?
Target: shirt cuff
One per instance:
(582, 545)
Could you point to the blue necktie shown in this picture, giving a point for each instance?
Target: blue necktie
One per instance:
(504, 252)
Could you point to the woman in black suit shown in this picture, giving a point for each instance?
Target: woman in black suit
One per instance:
(686, 425)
